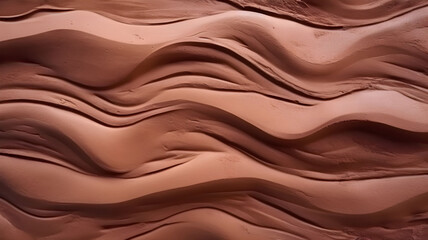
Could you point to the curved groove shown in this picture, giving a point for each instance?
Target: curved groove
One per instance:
(217, 119)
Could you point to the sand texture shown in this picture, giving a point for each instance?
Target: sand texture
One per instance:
(214, 120)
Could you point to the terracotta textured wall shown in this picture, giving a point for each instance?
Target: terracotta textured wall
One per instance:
(209, 120)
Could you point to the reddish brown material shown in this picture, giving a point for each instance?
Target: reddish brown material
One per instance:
(206, 120)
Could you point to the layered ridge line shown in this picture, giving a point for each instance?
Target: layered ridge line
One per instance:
(227, 120)
(284, 61)
(327, 14)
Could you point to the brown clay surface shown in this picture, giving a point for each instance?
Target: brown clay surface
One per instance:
(209, 120)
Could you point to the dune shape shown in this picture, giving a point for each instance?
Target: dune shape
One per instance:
(213, 119)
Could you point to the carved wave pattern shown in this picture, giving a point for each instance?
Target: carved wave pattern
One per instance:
(232, 119)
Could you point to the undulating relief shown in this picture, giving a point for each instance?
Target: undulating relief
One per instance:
(213, 120)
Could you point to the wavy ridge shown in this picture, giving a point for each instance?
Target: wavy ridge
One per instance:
(213, 119)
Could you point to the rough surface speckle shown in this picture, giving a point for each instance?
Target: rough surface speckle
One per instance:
(209, 120)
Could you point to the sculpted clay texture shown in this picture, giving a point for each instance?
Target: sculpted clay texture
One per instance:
(213, 120)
